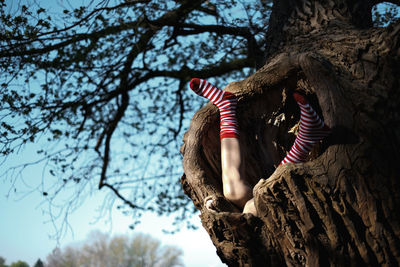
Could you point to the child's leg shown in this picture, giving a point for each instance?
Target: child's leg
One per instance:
(235, 188)
(312, 130)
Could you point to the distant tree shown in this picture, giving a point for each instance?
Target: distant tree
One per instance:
(121, 251)
(19, 264)
(39, 263)
(2, 262)
(56, 259)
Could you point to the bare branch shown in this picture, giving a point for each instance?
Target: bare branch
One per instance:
(87, 17)
(167, 19)
(121, 197)
(109, 132)
(181, 106)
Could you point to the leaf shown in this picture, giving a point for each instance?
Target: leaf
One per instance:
(41, 10)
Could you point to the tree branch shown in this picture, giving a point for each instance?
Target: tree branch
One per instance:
(179, 101)
(108, 133)
(118, 194)
(184, 74)
(168, 18)
(126, 4)
(195, 29)
(209, 71)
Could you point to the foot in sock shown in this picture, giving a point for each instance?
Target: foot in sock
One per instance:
(312, 130)
(226, 103)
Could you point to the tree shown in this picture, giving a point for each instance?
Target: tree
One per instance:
(2, 262)
(102, 251)
(14, 264)
(102, 87)
(19, 264)
(38, 263)
(339, 208)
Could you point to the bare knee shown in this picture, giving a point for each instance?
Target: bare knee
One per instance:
(250, 207)
(238, 195)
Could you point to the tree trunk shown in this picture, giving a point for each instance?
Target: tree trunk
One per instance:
(341, 207)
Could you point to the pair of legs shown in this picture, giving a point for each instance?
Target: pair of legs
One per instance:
(235, 188)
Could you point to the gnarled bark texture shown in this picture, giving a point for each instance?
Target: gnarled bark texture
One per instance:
(342, 206)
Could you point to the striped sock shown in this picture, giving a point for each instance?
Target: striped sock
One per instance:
(312, 130)
(226, 103)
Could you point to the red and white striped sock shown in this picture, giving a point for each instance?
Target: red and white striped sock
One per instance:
(312, 130)
(226, 103)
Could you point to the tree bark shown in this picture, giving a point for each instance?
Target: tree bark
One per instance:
(340, 207)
